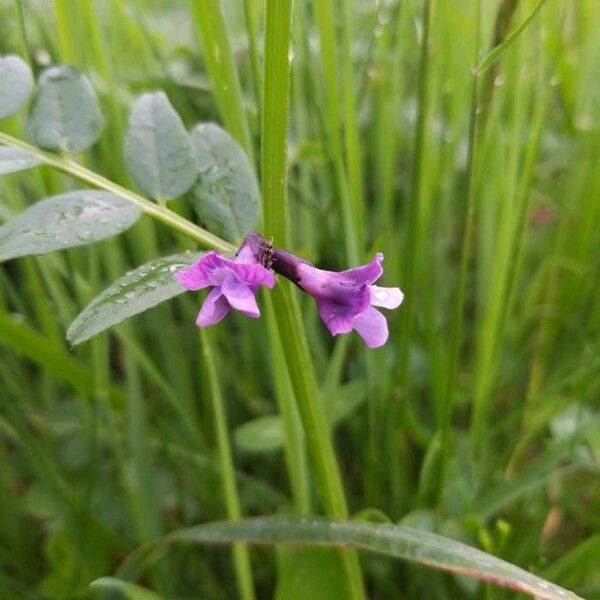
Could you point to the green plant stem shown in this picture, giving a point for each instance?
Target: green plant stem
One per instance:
(216, 51)
(250, 17)
(496, 52)
(295, 451)
(287, 313)
(354, 160)
(456, 336)
(276, 95)
(241, 557)
(325, 22)
(65, 18)
(160, 213)
(23, 31)
(411, 254)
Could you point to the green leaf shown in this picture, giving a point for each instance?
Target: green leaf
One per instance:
(65, 115)
(345, 400)
(16, 83)
(159, 154)
(16, 159)
(314, 573)
(265, 434)
(127, 589)
(226, 195)
(65, 221)
(130, 295)
(409, 544)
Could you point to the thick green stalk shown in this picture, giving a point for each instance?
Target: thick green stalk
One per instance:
(241, 556)
(274, 178)
(293, 439)
(276, 96)
(218, 57)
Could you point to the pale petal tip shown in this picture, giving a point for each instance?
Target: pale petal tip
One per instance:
(387, 297)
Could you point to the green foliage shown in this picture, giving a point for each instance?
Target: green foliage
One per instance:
(226, 195)
(64, 115)
(263, 434)
(65, 221)
(16, 83)
(135, 292)
(470, 160)
(13, 160)
(158, 152)
(130, 591)
(393, 540)
(266, 434)
(308, 573)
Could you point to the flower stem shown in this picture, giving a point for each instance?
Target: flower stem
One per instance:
(241, 557)
(218, 57)
(276, 91)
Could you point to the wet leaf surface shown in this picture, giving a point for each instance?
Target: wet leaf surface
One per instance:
(226, 195)
(65, 115)
(135, 292)
(16, 83)
(64, 221)
(158, 151)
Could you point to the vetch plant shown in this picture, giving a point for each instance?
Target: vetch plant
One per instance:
(210, 164)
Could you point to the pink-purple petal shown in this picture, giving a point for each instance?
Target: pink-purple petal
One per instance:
(365, 274)
(335, 321)
(387, 297)
(245, 256)
(240, 296)
(213, 310)
(253, 274)
(211, 269)
(371, 325)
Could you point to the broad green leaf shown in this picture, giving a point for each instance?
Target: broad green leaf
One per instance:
(128, 590)
(65, 114)
(158, 152)
(265, 434)
(64, 221)
(16, 83)
(409, 544)
(16, 159)
(226, 194)
(314, 573)
(134, 293)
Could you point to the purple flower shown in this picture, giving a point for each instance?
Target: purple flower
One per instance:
(234, 284)
(345, 300)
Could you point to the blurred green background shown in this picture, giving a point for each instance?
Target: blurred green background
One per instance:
(478, 420)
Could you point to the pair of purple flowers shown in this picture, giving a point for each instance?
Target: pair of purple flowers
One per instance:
(345, 300)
